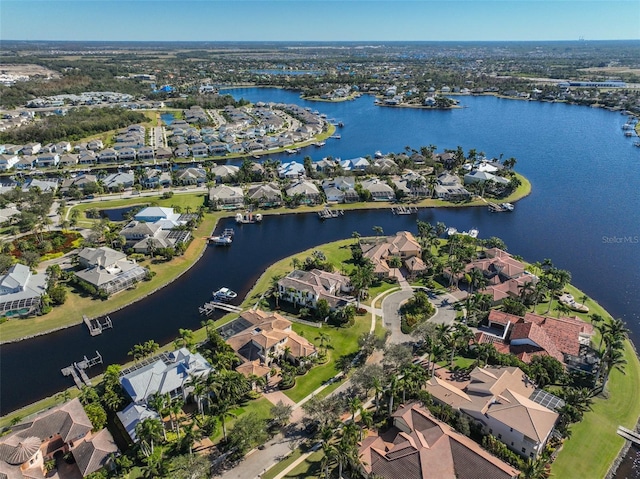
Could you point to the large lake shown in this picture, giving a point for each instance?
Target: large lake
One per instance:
(584, 209)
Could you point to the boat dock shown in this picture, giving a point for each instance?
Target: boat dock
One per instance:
(629, 435)
(96, 326)
(77, 370)
(502, 207)
(404, 210)
(329, 213)
(211, 306)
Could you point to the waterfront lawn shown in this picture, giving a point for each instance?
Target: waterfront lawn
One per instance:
(344, 342)
(71, 312)
(594, 443)
(182, 200)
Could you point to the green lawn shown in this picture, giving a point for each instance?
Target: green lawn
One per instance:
(182, 200)
(282, 465)
(75, 306)
(261, 407)
(594, 444)
(308, 468)
(344, 341)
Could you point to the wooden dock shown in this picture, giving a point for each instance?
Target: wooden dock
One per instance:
(211, 306)
(404, 210)
(77, 370)
(629, 435)
(96, 326)
(327, 213)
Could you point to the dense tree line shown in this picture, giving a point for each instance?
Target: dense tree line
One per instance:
(76, 124)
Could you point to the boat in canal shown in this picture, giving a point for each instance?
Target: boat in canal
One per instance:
(248, 218)
(222, 240)
(224, 294)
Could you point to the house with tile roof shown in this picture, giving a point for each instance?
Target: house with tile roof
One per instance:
(419, 446)
(62, 429)
(403, 245)
(267, 335)
(305, 288)
(505, 275)
(566, 339)
(497, 399)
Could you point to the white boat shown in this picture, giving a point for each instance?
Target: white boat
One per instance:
(319, 144)
(473, 232)
(452, 231)
(224, 294)
(507, 206)
(378, 154)
(248, 218)
(222, 240)
(293, 151)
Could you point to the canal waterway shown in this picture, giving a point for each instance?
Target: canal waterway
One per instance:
(583, 213)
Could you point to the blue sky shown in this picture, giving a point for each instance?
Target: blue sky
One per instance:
(302, 20)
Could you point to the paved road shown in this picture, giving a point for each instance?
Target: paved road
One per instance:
(391, 312)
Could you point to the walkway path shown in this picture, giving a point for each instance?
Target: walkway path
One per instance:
(258, 461)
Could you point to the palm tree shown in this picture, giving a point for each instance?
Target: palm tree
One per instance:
(378, 230)
(199, 385)
(536, 469)
(354, 406)
(599, 323)
(192, 434)
(376, 383)
(325, 341)
(562, 309)
(157, 402)
(148, 432)
(175, 409)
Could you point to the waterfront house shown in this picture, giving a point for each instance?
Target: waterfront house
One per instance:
(153, 214)
(168, 374)
(305, 288)
(28, 445)
(109, 270)
(145, 153)
(266, 336)
(86, 157)
(192, 176)
(309, 191)
(108, 155)
(266, 195)
(566, 339)
(291, 170)
(152, 178)
(419, 446)
(199, 150)
(403, 245)
(380, 190)
(504, 274)
(118, 181)
(223, 173)
(226, 197)
(44, 186)
(67, 160)
(7, 161)
(27, 162)
(21, 291)
(449, 188)
(46, 160)
(481, 177)
(502, 402)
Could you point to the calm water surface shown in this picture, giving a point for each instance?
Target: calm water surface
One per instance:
(583, 213)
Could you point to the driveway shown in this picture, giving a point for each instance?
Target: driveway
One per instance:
(391, 312)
